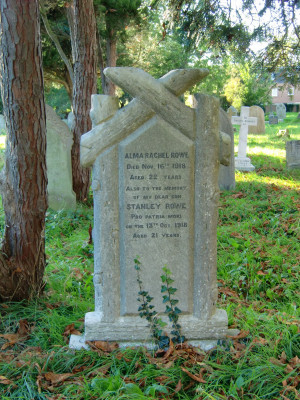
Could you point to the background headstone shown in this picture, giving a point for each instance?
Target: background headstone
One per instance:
(227, 173)
(273, 119)
(242, 162)
(232, 111)
(71, 120)
(292, 154)
(281, 111)
(258, 112)
(2, 124)
(58, 157)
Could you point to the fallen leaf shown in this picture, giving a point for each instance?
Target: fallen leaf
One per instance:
(70, 330)
(5, 381)
(238, 195)
(178, 386)
(241, 335)
(170, 350)
(24, 328)
(259, 340)
(236, 235)
(197, 378)
(294, 361)
(107, 347)
(275, 361)
(56, 378)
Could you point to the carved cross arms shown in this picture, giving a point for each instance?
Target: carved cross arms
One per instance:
(151, 97)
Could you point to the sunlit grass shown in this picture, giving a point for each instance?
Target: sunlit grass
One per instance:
(2, 141)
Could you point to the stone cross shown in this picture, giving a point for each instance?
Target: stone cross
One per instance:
(242, 162)
(155, 182)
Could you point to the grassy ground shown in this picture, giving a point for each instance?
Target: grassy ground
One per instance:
(258, 279)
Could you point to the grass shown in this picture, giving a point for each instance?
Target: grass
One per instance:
(258, 281)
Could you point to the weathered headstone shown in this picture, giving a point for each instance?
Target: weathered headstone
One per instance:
(232, 111)
(273, 119)
(281, 111)
(71, 120)
(298, 116)
(2, 124)
(242, 162)
(58, 158)
(227, 173)
(155, 181)
(258, 112)
(292, 154)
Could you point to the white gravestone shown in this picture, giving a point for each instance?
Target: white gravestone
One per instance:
(155, 181)
(58, 159)
(242, 162)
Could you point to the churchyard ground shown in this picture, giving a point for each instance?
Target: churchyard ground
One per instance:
(258, 282)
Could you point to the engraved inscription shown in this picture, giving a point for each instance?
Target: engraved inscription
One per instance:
(165, 197)
(156, 210)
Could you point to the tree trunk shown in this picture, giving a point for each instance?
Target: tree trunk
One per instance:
(24, 178)
(85, 84)
(111, 58)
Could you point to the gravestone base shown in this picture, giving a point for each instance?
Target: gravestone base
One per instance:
(243, 164)
(58, 202)
(132, 331)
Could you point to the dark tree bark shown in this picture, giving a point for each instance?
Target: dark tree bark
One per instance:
(85, 84)
(24, 178)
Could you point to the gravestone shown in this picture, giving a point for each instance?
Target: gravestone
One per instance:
(242, 162)
(281, 111)
(273, 119)
(58, 158)
(292, 154)
(232, 111)
(71, 120)
(227, 173)
(2, 124)
(155, 182)
(258, 112)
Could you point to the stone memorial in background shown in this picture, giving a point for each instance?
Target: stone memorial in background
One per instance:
(273, 119)
(155, 182)
(258, 112)
(227, 173)
(58, 159)
(242, 162)
(292, 154)
(232, 111)
(281, 111)
(2, 124)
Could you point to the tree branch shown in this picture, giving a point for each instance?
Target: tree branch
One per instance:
(53, 37)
